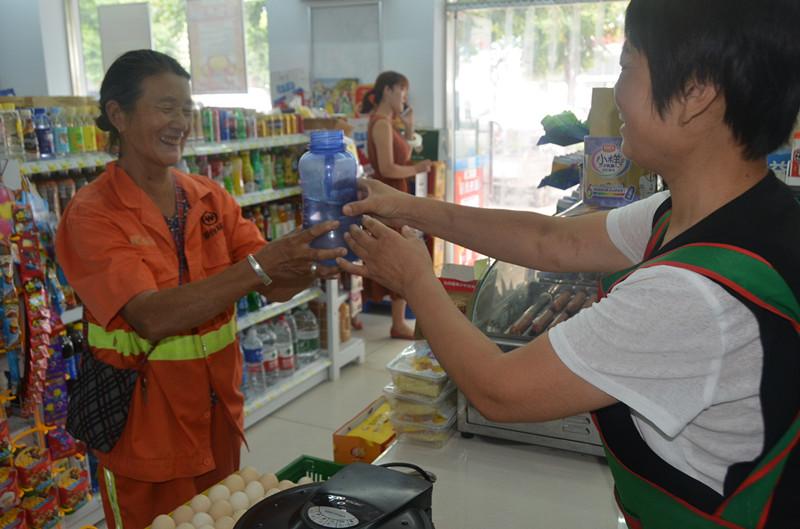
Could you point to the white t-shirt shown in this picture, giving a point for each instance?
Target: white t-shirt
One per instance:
(679, 350)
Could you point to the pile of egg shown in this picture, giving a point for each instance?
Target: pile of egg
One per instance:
(225, 502)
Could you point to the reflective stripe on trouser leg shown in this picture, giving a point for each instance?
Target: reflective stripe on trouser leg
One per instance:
(111, 495)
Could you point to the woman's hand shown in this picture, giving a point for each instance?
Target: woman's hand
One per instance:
(392, 259)
(292, 257)
(383, 202)
(407, 117)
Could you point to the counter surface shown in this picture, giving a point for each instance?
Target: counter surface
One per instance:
(485, 483)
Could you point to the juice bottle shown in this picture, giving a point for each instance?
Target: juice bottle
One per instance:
(60, 132)
(236, 175)
(241, 125)
(247, 173)
(258, 171)
(14, 145)
(29, 137)
(44, 133)
(89, 134)
(75, 131)
(280, 177)
(227, 176)
(269, 172)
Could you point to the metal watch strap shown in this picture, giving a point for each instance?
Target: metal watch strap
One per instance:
(262, 275)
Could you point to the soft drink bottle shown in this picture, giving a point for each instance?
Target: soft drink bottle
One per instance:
(269, 352)
(284, 344)
(29, 137)
(89, 134)
(60, 132)
(328, 179)
(75, 131)
(255, 381)
(14, 145)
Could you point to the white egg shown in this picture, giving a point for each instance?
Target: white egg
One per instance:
(186, 525)
(255, 491)
(200, 503)
(305, 480)
(220, 509)
(183, 514)
(239, 501)
(207, 527)
(269, 481)
(234, 482)
(202, 518)
(270, 492)
(218, 492)
(249, 474)
(238, 514)
(162, 521)
(286, 484)
(226, 522)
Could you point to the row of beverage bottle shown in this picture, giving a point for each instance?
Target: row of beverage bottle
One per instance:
(276, 349)
(46, 133)
(222, 124)
(276, 219)
(58, 187)
(248, 171)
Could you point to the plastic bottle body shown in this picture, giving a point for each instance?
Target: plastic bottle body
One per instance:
(308, 337)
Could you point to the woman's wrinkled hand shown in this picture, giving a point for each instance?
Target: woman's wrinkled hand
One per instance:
(292, 257)
(381, 201)
(393, 259)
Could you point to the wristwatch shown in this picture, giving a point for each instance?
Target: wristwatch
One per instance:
(262, 275)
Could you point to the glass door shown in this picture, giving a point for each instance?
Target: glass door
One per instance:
(511, 65)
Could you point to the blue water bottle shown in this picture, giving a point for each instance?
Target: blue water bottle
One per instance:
(328, 179)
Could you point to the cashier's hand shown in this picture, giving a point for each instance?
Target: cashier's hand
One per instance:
(392, 259)
(383, 202)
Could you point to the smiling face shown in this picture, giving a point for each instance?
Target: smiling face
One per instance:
(396, 96)
(157, 127)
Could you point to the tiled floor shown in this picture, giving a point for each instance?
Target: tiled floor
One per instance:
(306, 426)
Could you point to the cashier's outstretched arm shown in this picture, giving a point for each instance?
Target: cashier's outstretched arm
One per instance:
(528, 384)
(554, 244)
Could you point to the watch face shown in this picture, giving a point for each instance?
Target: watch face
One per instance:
(332, 517)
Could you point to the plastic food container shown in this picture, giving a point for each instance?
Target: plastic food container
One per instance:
(417, 371)
(411, 407)
(434, 436)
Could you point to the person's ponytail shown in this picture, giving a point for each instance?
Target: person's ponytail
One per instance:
(385, 80)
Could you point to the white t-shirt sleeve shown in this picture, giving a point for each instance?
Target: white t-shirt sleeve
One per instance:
(630, 227)
(655, 344)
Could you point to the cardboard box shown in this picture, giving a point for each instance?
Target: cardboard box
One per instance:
(460, 283)
(366, 436)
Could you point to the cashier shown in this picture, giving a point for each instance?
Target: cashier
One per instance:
(691, 360)
(159, 258)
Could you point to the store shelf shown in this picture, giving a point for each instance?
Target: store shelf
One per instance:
(73, 161)
(276, 309)
(229, 147)
(72, 315)
(286, 391)
(90, 514)
(343, 298)
(270, 195)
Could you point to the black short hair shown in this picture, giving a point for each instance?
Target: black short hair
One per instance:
(388, 79)
(748, 49)
(123, 82)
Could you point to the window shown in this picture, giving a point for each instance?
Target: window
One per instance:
(170, 36)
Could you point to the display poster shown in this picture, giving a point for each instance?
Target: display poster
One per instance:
(216, 46)
(335, 96)
(290, 88)
(361, 92)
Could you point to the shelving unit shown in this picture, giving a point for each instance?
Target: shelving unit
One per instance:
(339, 353)
(270, 195)
(73, 161)
(90, 514)
(233, 146)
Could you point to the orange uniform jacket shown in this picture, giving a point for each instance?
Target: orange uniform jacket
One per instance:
(113, 244)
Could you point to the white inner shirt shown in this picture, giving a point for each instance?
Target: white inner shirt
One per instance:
(679, 350)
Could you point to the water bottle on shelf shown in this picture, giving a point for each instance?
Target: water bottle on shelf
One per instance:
(269, 352)
(307, 349)
(60, 132)
(328, 179)
(284, 344)
(256, 383)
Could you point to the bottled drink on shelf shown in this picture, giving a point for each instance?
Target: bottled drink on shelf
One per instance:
(12, 124)
(227, 176)
(89, 134)
(248, 176)
(258, 171)
(255, 380)
(236, 175)
(60, 132)
(75, 131)
(269, 352)
(284, 343)
(44, 133)
(29, 137)
(308, 336)
(328, 179)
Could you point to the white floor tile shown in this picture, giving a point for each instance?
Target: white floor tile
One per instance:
(276, 442)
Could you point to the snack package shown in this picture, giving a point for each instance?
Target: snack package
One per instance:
(73, 488)
(410, 407)
(61, 444)
(9, 489)
(434, 436)
(416, 370)
(42, 509)
(13, 519)
(33, 467)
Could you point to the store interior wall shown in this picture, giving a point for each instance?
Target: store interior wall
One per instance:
(413, 43)
(33, 48)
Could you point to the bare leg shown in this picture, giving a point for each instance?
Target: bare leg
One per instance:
(400, 328)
